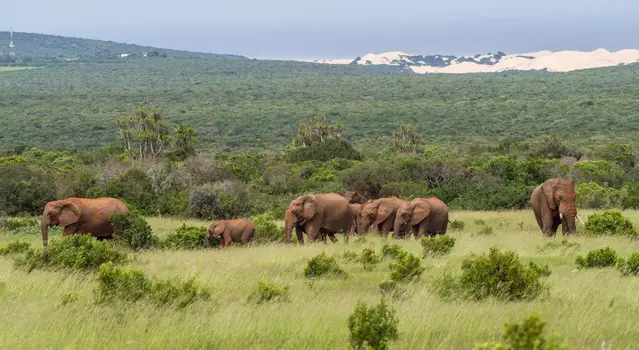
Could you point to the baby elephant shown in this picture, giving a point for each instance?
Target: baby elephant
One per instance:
(236, 230)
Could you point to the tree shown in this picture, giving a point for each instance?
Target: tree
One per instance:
(184, 142)
(406, 139)
(317, 130)
(144, 135)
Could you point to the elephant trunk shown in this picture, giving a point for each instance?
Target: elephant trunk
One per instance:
(568, 223)
(397, 228)
(363, 223)
(289, 222)
(44, 227)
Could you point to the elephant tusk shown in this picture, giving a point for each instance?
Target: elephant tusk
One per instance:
(561, 216)
(578, 218)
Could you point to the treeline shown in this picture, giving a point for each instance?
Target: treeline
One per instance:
(179, 182)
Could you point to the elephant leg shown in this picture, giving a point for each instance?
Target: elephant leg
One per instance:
(333, 238)
(421, 230)
(312, 231)
(387, 226)
(548, 222)
(300, 234)
(246, 235)
(227, 240)
(555, 225)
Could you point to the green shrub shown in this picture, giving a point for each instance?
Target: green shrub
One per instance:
(187, 237)
(372, 327)
(369, 259)
(134, 187)
(14, 224)
(437, 246)
(391, 288)
(407, 268)
(391, 250)
(528, 335)
(611, 223)
(133, 231)
(499, 275)
(266, 291)
(630, 196)
(597, 258)
(266, 229)
(457, 225)
(15, 247)
(323, 151)
(485, 230)
(129, 284)
(221, 200)
(349, 256)
(82, 252)
(321, 265)
(25, 190)
(591, 195)
(630, 266)
(564, 245)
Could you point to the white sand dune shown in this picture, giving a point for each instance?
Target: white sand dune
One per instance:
(560, 61)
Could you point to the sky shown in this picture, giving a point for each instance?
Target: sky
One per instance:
(326, 29)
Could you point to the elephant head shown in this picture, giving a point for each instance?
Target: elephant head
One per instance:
(215, 230)
(301, 210)
(374, 212)
(560, 196)
(58, 213)
(411, 213)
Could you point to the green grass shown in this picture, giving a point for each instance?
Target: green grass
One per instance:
(587, 307)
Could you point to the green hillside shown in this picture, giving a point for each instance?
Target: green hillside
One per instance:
(42, 45)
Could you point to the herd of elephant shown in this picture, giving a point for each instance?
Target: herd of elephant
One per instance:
(321, 216)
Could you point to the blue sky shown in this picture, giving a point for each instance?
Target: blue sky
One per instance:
(337, 28)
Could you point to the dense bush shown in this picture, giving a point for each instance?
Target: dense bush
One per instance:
(15, 247)
(495, 274)
(630, 196)
(134, 187)
(369, 259)
(133, 231)
(603, 257)
(629, 266)
(323, 151)
(14, 224)
(266, 229)
(391, 250)
(82, 252)
(609, 223)
(437, 246)
(188, 237)
(372, 327)
(24, 190)
(323, 265)
(591, 195)
(406, 268)
(128, 284)
(266, 292)
(527, 335)
(220, 201)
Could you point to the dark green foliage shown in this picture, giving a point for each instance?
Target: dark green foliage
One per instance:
(266, 292)
(369, 259)
(630, 200)
(266, 229)
(24, 190)
(129, 284)
(495, 274)
(133, 231)
(349, 256)
(15, 224)
(629, 266)
(391, 250)
(610, 222)
(15, 247)
(485, 230)
(323, 151)
(221, 200)
(598, 258)
(368, 179)
(529, 335)
(188, 237)
(323, 265)
(437, 246)
(372, 327)
(134, 187)
(80, 252)
(406, 268)
(457, 225)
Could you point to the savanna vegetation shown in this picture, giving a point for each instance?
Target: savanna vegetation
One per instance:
(183, 141)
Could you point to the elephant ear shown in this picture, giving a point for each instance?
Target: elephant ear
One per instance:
(421, 211)
(69, 214)
(549, 191)
(384, 210)
(219, 228)
(310, 207)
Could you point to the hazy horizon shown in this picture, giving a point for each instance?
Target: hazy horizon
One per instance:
(283, 29)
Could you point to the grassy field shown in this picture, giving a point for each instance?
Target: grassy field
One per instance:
(585, 307)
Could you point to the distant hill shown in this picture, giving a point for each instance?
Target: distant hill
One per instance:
(42, 45)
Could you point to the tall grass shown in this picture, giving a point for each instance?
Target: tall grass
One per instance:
(57, 310)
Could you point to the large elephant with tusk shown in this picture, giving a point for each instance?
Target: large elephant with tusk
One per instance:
(554, 204)
(81, 215)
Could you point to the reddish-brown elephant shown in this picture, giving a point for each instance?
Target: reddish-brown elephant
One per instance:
(81, 215)
(379, 215)
(236, 230)
(424, 216)
(317, 215)
(355, 209)
(554, 203)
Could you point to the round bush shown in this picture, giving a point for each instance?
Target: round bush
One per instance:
(610, 223)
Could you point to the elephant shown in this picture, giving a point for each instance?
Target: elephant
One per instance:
(236, 230)
(81, 215)
(318, 215)
(352, 197)
(379, 215)
(554, 203)
(426, 216)
(355, 209)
